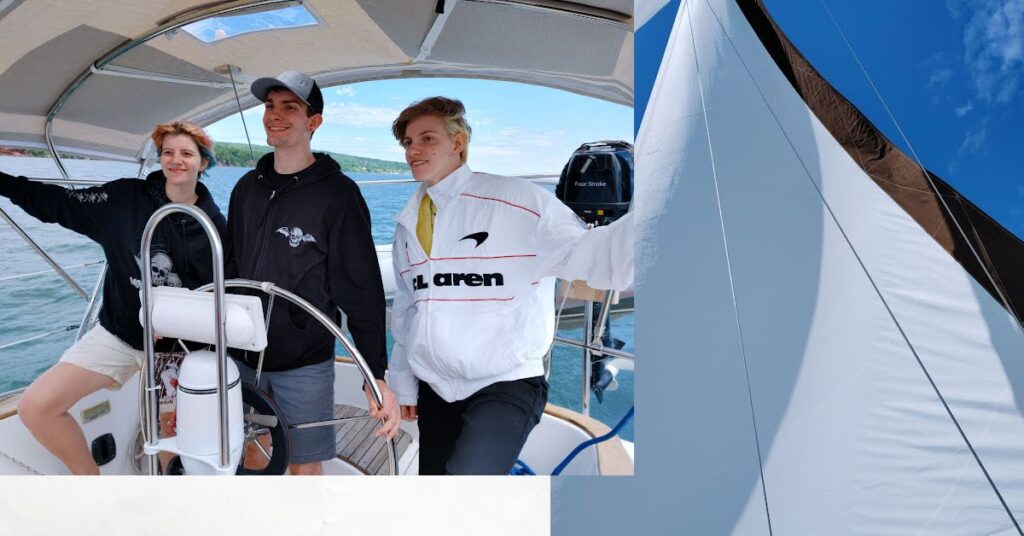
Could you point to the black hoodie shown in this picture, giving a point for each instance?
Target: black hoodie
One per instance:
(114, 215)
(310, 236)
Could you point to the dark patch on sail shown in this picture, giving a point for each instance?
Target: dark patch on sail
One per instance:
(1001, 252)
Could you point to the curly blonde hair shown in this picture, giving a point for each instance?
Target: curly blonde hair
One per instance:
(451, 111)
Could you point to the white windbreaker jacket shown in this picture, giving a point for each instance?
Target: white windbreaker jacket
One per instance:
(480, 308)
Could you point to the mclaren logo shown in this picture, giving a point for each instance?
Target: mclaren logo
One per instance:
(459, 280)
(479, 237)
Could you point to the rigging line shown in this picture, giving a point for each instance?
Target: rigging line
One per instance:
(231, 74)
(19, 276)
(864, 268)
(46, 256)
(995, 285)
(65, 329)
(728, 264)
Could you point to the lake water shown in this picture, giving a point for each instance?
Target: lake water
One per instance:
(43, 303)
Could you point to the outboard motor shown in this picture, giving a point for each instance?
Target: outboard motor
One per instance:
(597, 184)
(198, 416)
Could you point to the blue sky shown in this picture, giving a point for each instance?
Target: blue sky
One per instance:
(217, 28)
(951, 71)
(517, 128)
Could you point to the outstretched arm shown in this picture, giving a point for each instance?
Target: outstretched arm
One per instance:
(82, 210)
(604, 256)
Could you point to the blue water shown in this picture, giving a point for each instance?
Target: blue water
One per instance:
(43, 303)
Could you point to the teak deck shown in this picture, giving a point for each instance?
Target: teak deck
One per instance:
(355, 443)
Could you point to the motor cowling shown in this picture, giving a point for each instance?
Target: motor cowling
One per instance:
(597, 181)
(198, 420)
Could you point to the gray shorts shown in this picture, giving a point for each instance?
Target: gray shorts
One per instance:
(305, 394)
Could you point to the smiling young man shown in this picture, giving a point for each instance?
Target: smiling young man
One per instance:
(300, 223)
(474, 259)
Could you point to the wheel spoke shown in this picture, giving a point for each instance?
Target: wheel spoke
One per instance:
(263, 451)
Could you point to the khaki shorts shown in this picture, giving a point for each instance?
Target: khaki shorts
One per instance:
(101, 352)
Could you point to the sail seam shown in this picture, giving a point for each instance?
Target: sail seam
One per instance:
(867, 273)
(728, 264)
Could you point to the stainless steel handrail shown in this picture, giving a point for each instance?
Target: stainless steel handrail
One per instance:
(326, 321)
(69, 182)
(596, 348)
(588, 337)
(149, 408)
(94, 302)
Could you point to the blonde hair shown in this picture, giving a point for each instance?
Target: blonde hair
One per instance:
(202, 140)
(450, 111)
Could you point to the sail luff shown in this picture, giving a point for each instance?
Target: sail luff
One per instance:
(900, 175)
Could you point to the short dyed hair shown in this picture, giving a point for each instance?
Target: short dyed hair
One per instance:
(202, 140)
(451, 111)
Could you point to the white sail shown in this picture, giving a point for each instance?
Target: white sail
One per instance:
(836, 365)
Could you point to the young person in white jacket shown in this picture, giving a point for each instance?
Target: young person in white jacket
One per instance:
(475, 259)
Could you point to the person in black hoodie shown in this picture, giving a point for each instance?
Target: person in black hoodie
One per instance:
(300, 223)
(114, 215)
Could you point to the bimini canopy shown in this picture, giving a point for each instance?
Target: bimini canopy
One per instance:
(844, 363)
(106, 70)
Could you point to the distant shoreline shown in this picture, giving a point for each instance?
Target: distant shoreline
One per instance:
(238, 155)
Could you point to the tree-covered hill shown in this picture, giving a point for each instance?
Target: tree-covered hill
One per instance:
(237, 155)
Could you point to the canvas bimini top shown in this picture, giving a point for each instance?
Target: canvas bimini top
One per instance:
(99, 75)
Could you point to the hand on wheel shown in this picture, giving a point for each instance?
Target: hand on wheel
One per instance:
(388, 412)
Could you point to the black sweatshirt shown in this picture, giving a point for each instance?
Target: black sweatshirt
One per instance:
(310, 236)
(114, 215)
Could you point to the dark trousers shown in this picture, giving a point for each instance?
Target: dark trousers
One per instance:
(483, 434)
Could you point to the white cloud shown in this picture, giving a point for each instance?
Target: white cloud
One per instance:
(345, 91)
(492, 151)
(520, 150)
(994, 47)
(964, 110)
(358, 115)
(974, 143)
(940, 76)
(522, 137)
(953, 6)
(975, 139)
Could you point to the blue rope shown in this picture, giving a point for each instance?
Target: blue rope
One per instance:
(579, 448)
(520, 468)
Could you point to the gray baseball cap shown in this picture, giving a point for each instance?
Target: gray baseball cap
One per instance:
(298, 83)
